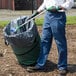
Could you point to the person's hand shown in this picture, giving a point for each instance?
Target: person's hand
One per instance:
(52, 9)
(55, 8)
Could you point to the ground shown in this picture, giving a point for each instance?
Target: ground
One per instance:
(9, 65)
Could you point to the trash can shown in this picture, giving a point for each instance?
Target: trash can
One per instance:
(25, 42)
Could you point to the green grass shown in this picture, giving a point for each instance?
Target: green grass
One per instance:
(3, 23)
(71, 20)
(39, 21)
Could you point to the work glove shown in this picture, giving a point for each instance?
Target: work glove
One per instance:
(54, 8)
(33, 15)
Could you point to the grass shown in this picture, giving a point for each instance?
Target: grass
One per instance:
(3, 23)
(71, 20)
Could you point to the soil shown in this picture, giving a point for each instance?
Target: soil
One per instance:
(9, 65)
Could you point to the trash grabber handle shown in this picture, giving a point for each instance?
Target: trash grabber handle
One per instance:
(30, 20)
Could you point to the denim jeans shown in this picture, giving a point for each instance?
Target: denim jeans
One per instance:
(54, 27)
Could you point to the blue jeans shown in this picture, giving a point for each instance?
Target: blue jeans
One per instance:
(54, 27)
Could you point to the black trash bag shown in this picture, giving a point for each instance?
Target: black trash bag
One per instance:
(24, 36)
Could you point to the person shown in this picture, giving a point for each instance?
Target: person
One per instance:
(53, 27)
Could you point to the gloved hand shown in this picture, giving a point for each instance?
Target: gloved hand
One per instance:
(54, 8)
(33, 15)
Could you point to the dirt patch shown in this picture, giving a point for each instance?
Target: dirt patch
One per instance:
(9, 65)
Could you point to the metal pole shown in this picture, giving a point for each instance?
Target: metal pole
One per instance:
(32, 6)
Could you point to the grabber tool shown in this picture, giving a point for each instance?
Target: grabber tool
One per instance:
(36, 14)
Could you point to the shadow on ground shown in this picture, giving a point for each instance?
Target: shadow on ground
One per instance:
(72, 68)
